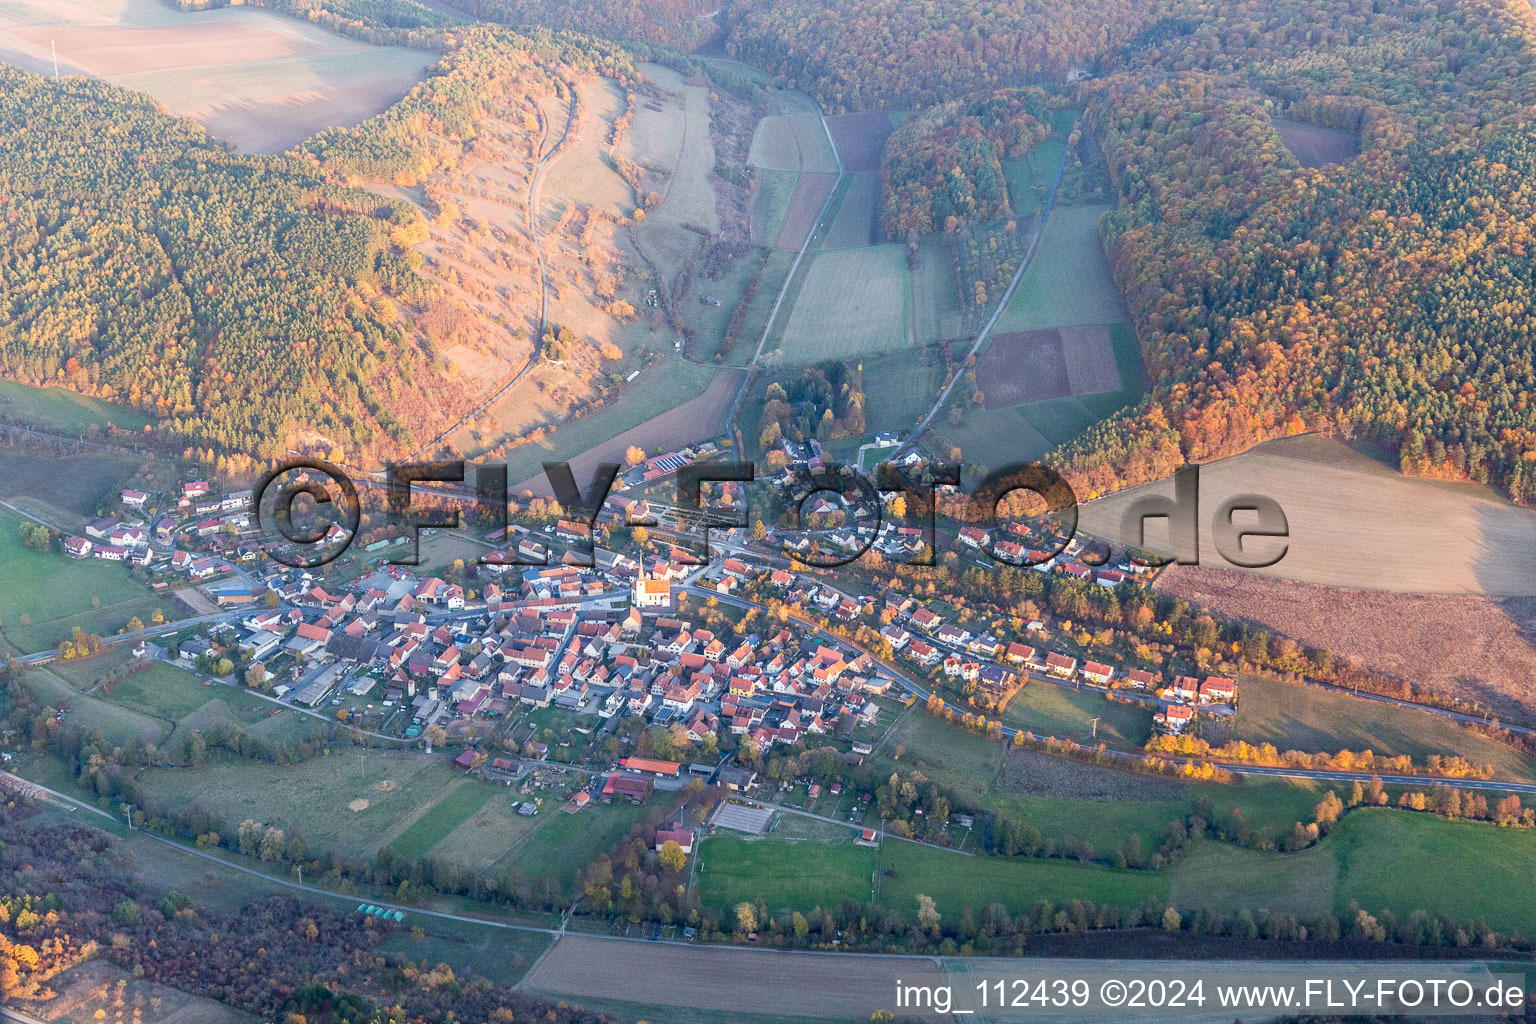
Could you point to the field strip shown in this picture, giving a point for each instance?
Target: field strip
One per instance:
(1002, 305)
(730, 422)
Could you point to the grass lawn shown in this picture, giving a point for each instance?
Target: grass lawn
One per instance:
(1406, 862)
(59, 409)
(945, 753)
(936, 311)
(117, 723)
(1068, 282)
(956, 882)
(799, 876)
(657, 390)
(1382, 859)
(1294, 716)
(314, 797)
(500, 954)
(899, 388)
(70, 486)
(1048, 710)
(165, 691)
(446, 815)
(1029, 177)
(850, 301)
(770, 201)
(567, 843)
(55, 593)
(1226, 879)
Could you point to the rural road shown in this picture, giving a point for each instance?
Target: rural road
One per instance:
(997, 314)
(922, 693)
(773, 314)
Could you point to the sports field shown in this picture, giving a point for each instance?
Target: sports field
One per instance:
(733, 869)
(262, 81)
(851, 301)
(1348, 865)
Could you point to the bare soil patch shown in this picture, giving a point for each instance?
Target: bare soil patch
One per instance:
(810, 196)
(358, 805)
(1314, 146)
(1023, 366)
(1090, 357)
(861, 138)
(846, 988)
(1468, 647)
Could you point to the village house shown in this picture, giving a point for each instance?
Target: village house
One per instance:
(1059, 666)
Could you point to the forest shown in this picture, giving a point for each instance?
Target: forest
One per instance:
(897, 54)
(145, 264)
(1388, 297)
(489, 72)
(943, 167)
(70, 893)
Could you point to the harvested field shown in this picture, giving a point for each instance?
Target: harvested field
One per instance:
(696, 419)
(1314, 146)
(810, 195)
(856, 223)
(1028, 773)
(262, 81)
(1090, 357)
(106, 51)
(1469, 647)
(851, 301)
(846, 988)
(1357, 523)
(1023, 366)
(861, 138)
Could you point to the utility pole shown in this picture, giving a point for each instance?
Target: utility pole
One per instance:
(55, 48)
(1095, 728)
(128, 813)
